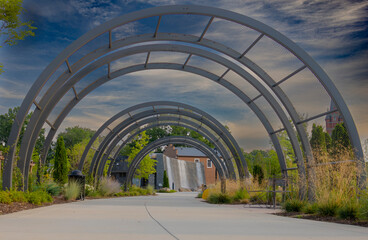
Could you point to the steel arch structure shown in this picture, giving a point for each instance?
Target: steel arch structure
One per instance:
(182, 110)
(225, 166)
(228, 168)
(52, 97)
(174, 140)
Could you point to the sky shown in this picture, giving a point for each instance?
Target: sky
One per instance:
(334, 33)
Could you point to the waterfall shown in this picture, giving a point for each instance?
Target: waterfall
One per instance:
(199, 171)
(169, 171)
(183, 174)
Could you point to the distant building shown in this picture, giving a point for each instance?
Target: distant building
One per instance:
(333, 119)
(193, 155)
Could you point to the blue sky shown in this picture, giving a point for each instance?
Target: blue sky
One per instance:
(332, 32)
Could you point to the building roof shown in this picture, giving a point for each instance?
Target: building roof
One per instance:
(189, 152)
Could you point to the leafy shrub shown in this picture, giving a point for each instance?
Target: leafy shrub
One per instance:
(328, 208)
(39, 197)
(206, 194)
(88, 189)
(5, 198)
(219, 198)
(310, 208)
(348, 211)
(293, 205)
(166, 190)
(94, 194)
(109, 187)
(150, 190)
(17, 196)
(240, 195)
(72, 190)
(53, 188)
(199, 195)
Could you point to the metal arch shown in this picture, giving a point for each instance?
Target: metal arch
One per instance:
(194, 51)
(321, 75)
(218, 128)
(172, 66)
(176, 123)
(163, 141)
(195, 113)
(228, 168)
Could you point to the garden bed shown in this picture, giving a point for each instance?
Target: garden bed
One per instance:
(20, 206)
(315, 217)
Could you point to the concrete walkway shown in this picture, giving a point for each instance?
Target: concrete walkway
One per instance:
(166, 216)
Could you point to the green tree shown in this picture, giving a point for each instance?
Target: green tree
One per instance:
(328, 141)
(11, 27)
(147, 165)
(340, 137)
(75, 135)
(6, 122)
(258, 173)
(166, 181)
(75, 154)
(156, 133)
(318, 141)
(60, 173)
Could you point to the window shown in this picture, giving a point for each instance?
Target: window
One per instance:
(196, 160)
(209, 163)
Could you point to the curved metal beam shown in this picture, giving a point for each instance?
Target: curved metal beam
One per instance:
(188, 112)
(177, 123)
(174, 140)
(320, 74)
(228, 168)
(164, 47)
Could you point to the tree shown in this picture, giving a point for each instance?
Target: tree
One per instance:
(75, 135)
(10, 24)
(75, 154)
(147, 165)
(328, 141)
(258, 173)
(340, 141)
(318, 141)
(166, 180)
(6, 122)
(156, 133)
(60, 173)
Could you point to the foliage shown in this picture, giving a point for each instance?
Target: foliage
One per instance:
(147, 165)
(39, 197)
(75, 135)
(17, 196)
(10, 24)
(60, 173)
(293, 205)
(240, 195)
(75, 153)
(348, 211)
(166, 181)
(199, 195)
(72, 190)
(108, 186)
(318, 140)
(52, 188)
(310, 208)
(328, 208)
(363, 205)
(156, 133)
(258, 173)
(206, 193)
(5, 198)
(219, 198)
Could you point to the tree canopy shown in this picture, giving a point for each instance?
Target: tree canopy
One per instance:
(75, 135)
(12, 28)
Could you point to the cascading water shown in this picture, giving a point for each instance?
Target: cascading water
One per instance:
(200, 177)
(183, 174)
(169, 171)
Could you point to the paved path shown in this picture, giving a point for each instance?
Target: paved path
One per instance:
(166, 216)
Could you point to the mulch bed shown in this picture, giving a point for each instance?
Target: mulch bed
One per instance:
(323, 219)
(16, 206)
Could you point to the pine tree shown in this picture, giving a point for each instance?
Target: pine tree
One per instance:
(60, 173)
(318, 140)
(166, 181)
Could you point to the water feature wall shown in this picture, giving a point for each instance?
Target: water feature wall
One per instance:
(183, 174)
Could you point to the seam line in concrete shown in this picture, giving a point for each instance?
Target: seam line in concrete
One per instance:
(145, 205)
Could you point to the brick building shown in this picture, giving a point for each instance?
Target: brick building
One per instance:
(332, 119)
(193, 155)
